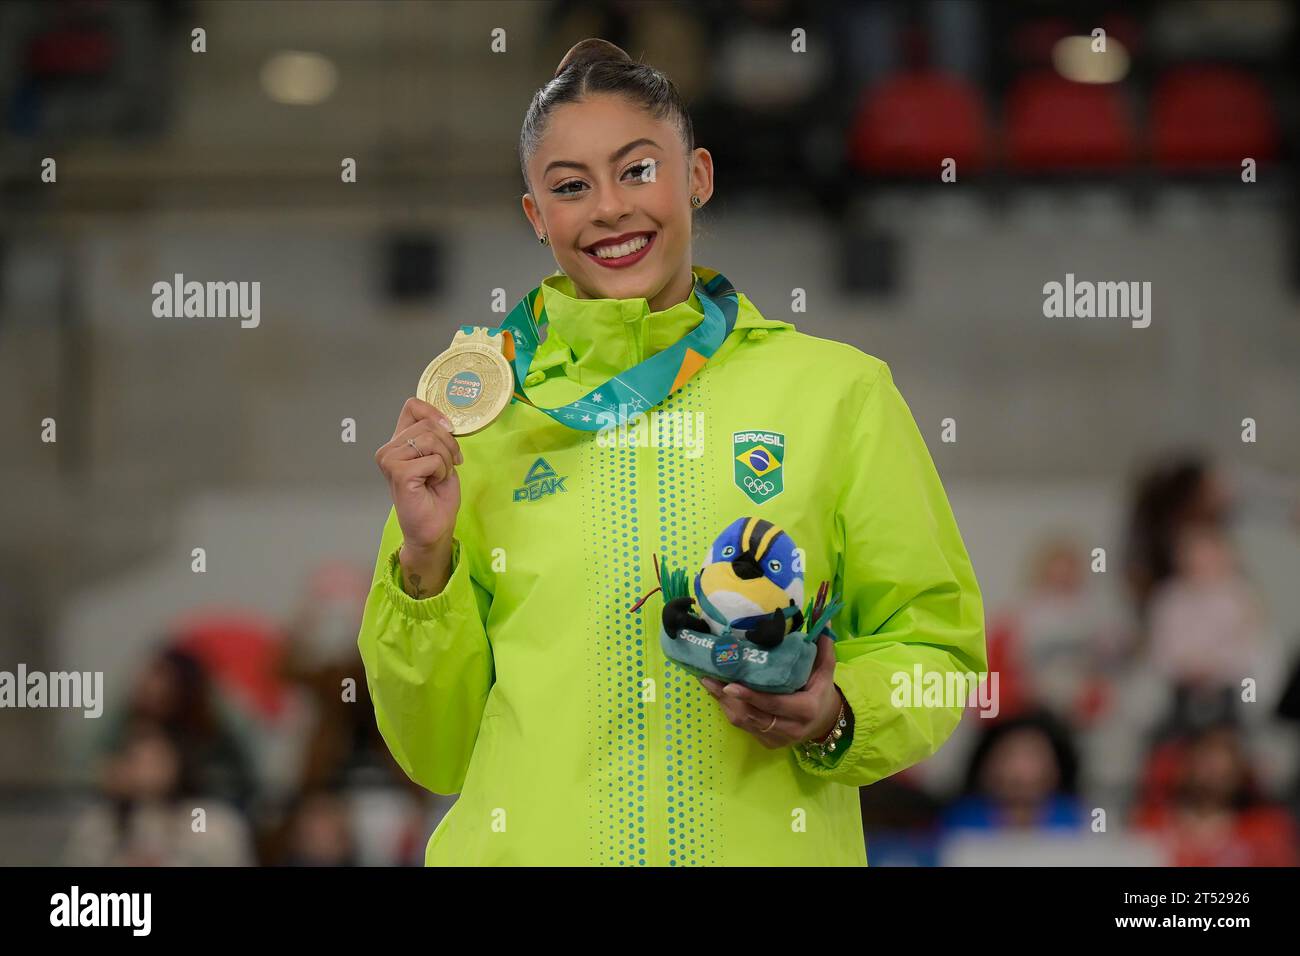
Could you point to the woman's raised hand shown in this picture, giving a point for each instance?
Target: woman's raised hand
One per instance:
(419, 462)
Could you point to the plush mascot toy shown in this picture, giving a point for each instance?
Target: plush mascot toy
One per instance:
(750, 623)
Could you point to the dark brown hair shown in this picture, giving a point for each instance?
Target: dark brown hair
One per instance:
(597, 66)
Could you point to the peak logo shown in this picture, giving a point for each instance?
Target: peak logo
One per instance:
(540, 481)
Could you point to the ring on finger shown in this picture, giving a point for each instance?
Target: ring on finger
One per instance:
(411, 442)
(755, 719)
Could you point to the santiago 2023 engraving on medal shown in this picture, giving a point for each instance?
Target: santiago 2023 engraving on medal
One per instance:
(470, 382)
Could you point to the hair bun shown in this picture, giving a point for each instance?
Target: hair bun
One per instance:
(591, 50)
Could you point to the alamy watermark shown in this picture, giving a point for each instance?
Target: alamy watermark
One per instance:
(1085, 299)
(657, 428)
(56, 689)
(946, 689)
(208, 300)
(130, 910)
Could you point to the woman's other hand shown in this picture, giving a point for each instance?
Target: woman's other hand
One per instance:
(806, 715)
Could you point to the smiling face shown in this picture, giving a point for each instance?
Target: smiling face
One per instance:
(611, 188)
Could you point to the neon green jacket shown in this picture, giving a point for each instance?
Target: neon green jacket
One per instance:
(528, 688)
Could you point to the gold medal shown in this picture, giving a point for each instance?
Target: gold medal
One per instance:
(471, 382)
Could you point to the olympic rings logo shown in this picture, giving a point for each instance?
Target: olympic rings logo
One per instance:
(763, 488)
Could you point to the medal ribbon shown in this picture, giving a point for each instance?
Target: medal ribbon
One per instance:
(640, 387)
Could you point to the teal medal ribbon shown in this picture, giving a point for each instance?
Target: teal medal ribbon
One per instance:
(640, 387)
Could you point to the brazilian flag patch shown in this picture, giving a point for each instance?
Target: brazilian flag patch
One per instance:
(760, 459)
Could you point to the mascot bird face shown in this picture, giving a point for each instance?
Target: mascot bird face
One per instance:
(750, 573)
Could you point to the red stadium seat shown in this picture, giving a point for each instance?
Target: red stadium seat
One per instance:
(1057, 125)
(71, 52)
(908, 124)
(1211, 117)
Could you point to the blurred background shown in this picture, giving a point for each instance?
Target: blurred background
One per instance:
(1120, 683)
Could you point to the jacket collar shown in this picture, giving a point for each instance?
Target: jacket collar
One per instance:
(594, 339)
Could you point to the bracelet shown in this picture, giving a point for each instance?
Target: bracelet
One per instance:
(820, 748)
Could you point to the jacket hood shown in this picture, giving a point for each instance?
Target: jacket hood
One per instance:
(591, 340)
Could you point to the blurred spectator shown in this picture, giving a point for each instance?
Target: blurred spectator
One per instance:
(1168, 496)
(357, 826)
(1055, 648)
(1187, 488)
(1022, 776)
(241, 650)
(343, 742)
(1207, 627)
(353, 805)
(392, 826)
(175, 693)
(320, 831)
(152, 813)
(1201, 799)
(1288, 709)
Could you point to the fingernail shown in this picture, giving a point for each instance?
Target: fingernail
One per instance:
(733, 690)
(460, 459)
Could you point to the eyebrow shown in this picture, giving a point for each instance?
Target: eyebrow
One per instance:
(614, 157)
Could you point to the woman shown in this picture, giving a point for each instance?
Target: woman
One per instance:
(1023, 775)
(501, 655)
(1202, 801)
(144, 814)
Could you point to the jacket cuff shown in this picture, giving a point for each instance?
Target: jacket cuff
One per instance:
(866, 718)
(456, 593)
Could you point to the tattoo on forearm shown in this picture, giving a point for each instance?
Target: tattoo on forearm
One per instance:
(415, 585)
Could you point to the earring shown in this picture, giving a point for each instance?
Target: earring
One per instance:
(697, 202)
(543, 239)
